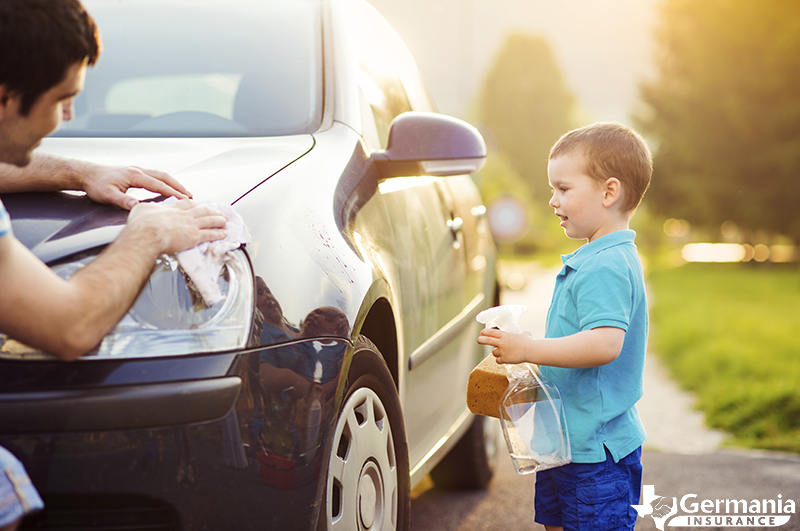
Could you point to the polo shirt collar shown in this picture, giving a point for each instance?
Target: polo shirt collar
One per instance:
(574, 259)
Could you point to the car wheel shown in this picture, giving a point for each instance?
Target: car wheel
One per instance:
(367, 483)
(471, 462)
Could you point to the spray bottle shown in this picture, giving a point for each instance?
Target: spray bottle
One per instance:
(531, 411)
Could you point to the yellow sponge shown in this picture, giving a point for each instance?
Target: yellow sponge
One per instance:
(486, 386)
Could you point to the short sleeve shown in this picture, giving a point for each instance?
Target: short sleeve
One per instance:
(604, 297)
(5, 221)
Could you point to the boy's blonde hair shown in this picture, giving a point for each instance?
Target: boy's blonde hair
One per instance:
(611, 149)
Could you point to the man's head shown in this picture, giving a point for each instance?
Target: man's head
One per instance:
(45, 46)
(610, 150)
(325, 321)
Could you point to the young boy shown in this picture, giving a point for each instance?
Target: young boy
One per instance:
(596, 331)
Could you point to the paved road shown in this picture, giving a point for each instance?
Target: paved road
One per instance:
(681, 455)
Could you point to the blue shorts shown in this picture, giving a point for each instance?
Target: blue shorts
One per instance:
(590, 496)
(18, 496)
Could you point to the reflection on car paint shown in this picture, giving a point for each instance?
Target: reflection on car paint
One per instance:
(291, 388)
(274, 437)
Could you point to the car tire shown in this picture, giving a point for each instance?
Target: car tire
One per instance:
(367, 483)
(472, 461)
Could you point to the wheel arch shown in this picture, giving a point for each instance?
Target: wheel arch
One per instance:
(379, 327)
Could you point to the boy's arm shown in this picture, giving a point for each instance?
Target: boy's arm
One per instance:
(104, 184)
(589, 348)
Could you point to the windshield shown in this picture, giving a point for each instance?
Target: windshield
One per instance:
(191, 68)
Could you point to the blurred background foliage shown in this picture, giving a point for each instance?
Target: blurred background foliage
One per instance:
(728, 333)
(525, 86)
(724, 114)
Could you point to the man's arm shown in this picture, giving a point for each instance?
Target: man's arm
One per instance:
(68, 318)
(104, 184)
(589, 348)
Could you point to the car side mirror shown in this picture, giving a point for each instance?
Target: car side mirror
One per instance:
(425, 143)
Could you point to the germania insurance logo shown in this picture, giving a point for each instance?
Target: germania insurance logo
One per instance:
(697, 512)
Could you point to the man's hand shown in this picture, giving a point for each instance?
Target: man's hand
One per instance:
(508, 347)
(102, 183)
(176, 227)
(109, 184)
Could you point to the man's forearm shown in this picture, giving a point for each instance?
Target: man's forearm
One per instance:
(69, 318)
(45, 173)
(107, 287)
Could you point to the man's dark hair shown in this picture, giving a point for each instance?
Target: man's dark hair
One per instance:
(39, 41)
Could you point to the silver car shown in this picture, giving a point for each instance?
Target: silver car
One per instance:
(332, 377)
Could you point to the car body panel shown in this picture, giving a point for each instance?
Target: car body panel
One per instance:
(266, 477)
(213, 169)
(75, 225)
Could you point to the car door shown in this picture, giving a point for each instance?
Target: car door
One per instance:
(429, 246)
(430, 261)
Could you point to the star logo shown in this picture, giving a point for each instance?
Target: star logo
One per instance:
(656, 506)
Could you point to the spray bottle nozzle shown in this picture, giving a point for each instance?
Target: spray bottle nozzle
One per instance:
(504, 317)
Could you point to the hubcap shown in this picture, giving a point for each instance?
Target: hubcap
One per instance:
(369, 496)
(362, 473)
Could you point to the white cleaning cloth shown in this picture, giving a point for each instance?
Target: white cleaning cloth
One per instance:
(204, 262)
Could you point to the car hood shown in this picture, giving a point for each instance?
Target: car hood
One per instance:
(221, 170)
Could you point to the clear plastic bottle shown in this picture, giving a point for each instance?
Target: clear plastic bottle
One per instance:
(531, 411)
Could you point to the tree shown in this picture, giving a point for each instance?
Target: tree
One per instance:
(527, 105)
(724, 112)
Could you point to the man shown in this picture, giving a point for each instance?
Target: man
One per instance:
(45, 48)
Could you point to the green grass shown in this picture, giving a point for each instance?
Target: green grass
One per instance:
(731, 334)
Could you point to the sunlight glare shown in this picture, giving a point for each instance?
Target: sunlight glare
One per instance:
(713, 252)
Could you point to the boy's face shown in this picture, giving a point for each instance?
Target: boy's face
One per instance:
(578, 200)
(20, 135)
(267, 303)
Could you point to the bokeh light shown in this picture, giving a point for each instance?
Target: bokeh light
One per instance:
(676, 228)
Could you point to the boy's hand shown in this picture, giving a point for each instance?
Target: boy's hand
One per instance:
(508, 347)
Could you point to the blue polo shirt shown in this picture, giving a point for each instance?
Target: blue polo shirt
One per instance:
(601, 284)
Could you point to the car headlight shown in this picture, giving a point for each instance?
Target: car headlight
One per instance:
(170, 317)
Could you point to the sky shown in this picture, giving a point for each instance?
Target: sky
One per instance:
(604, 47)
